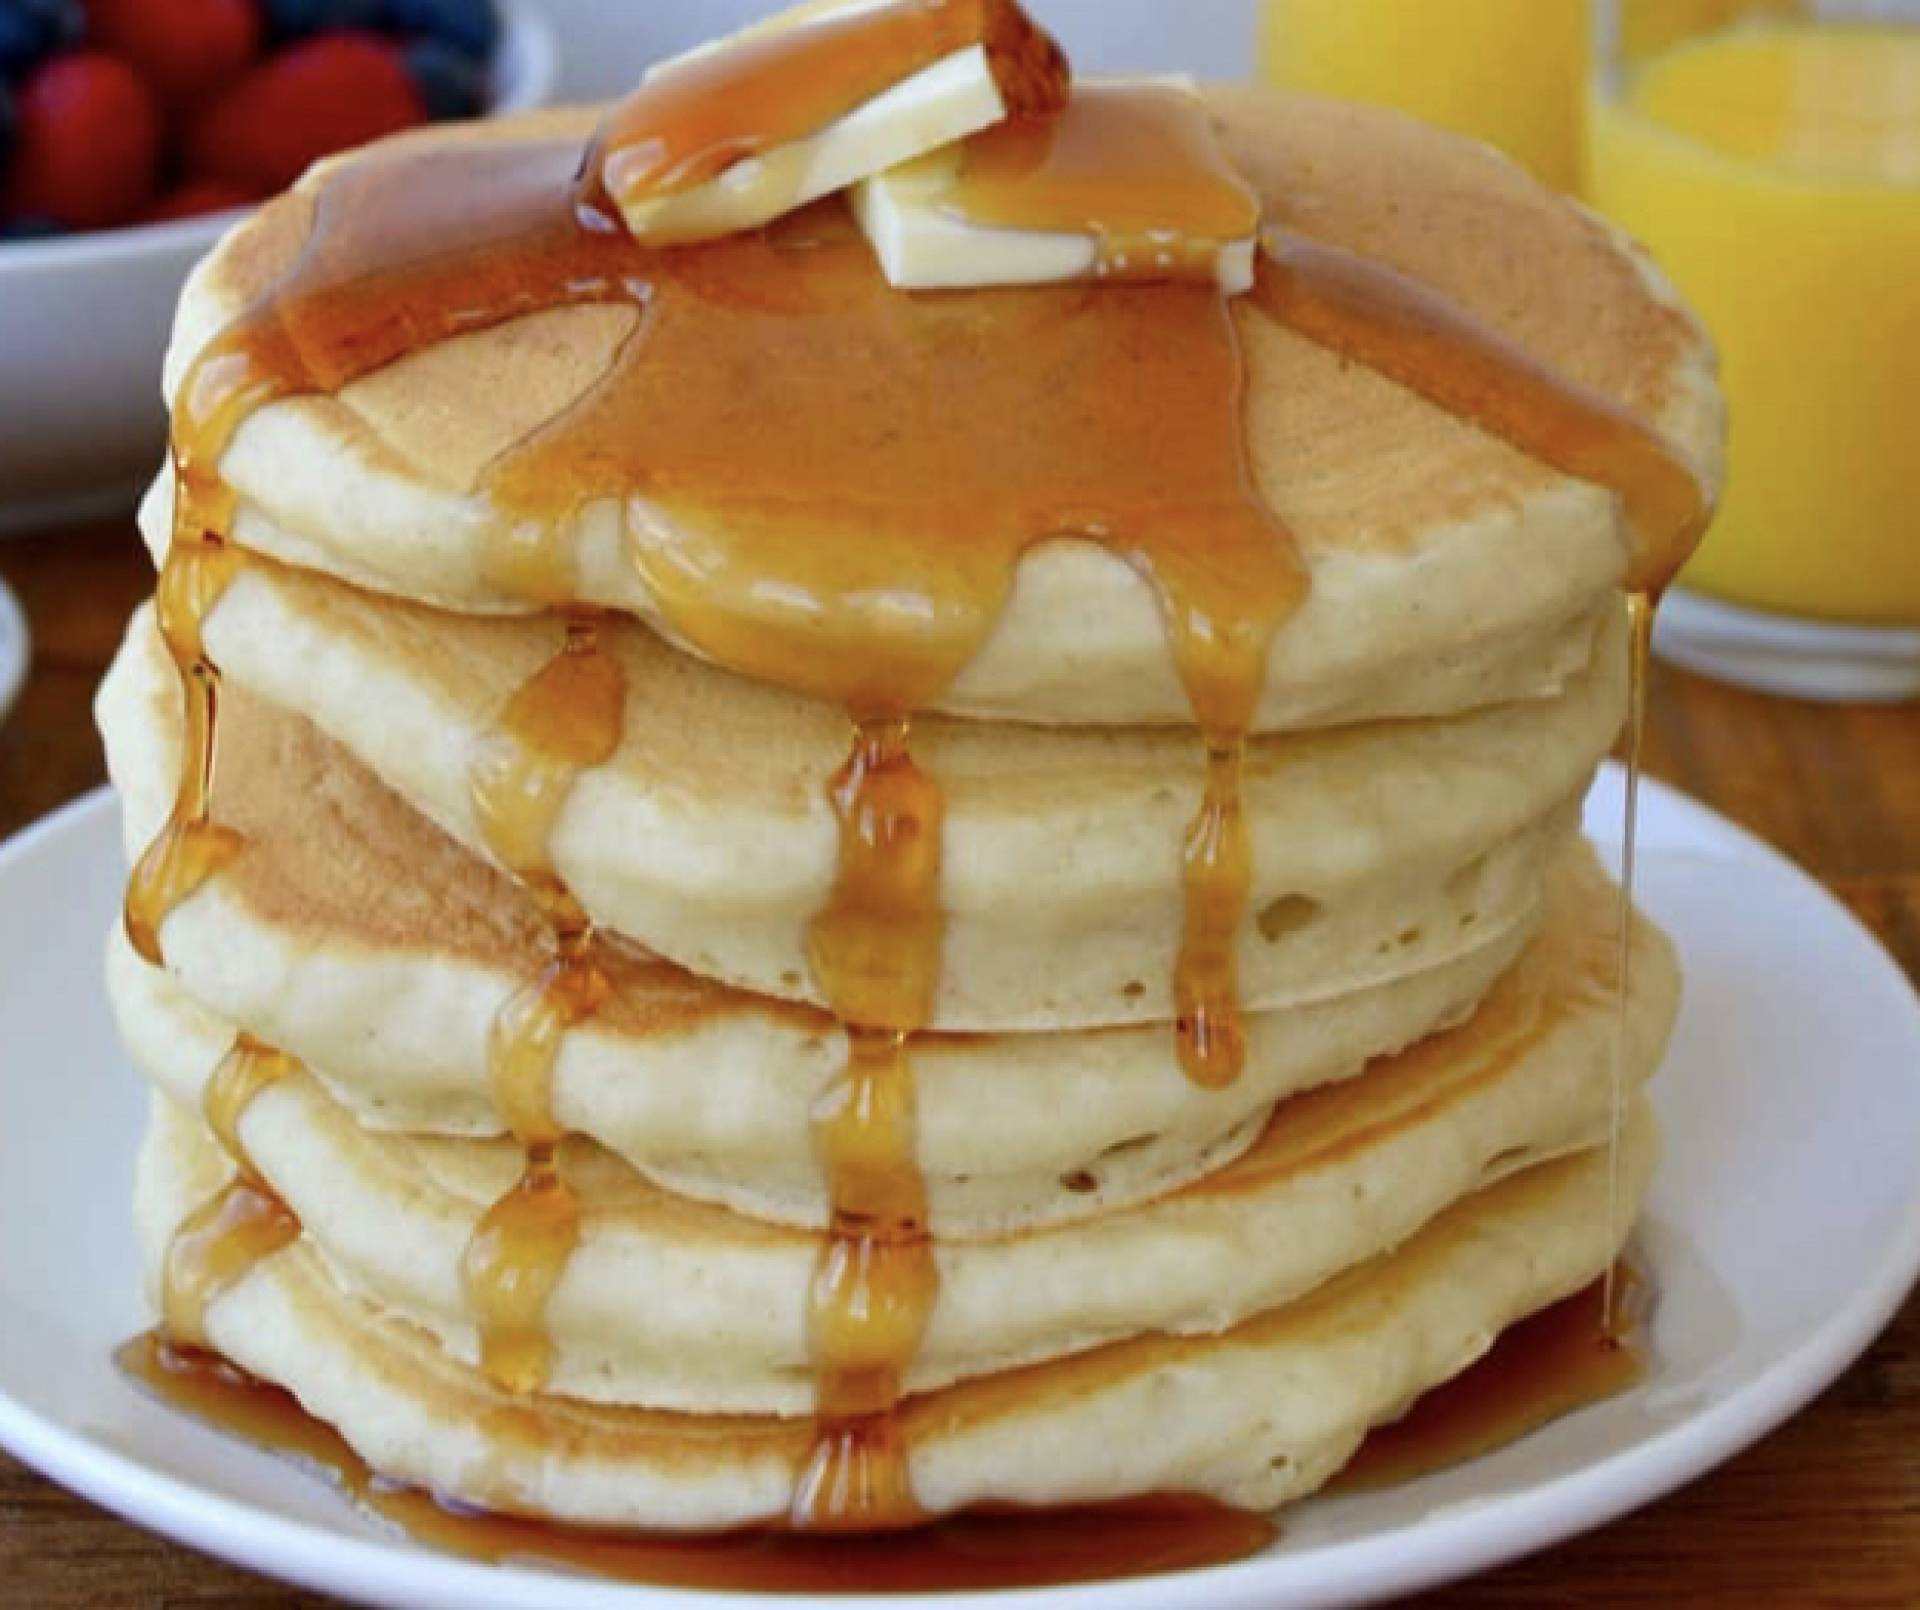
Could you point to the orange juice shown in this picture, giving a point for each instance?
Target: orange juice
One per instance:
(1513, 72)
(1774, 170)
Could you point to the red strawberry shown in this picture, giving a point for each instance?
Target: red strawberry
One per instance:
(88, 143)
(194, 198)
(184, 48)
(319, 97)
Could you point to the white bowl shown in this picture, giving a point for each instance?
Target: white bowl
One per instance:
(84, 322)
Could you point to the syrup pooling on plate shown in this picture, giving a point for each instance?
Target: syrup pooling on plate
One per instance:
(1002, 1549)
(1135, 166)
(1581, 1351)
(563, 721)
(693, 120)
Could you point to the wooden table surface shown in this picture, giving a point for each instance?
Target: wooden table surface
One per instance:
(1826, 1512)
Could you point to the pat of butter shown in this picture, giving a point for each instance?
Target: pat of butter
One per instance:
(737, 133)
(1128, 183)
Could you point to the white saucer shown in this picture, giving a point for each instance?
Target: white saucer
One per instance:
(1784, 1231)
(15, 649)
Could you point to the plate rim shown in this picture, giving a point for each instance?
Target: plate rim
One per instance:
(379, 1571)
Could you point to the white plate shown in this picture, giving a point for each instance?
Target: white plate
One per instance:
(1783, 1232)
(15, 647)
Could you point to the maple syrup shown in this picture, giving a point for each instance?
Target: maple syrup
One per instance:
(1134, 166)
(876, 952)
(1002, 1549)
(1641, 608)
(249, 1068)
(766, 530)
(1581, 1351)
(1380, 318)
(192, 847)
(693, 120)
(563, 721)
(216, 1247)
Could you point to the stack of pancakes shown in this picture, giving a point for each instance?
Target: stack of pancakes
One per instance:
(1136, 1281)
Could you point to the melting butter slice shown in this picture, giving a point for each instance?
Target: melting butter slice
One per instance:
(1128, 183)
(737, 133)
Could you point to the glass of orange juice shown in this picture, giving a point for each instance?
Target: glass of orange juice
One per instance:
(1768, 153)
(1512, 72)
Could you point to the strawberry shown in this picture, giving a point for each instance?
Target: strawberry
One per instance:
(185, 49)
(318, 97)
(196, 197)
(87, 147)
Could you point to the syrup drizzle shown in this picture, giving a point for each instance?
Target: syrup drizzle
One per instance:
(1378, 317)
(564, 721)
(192, 847)
(216, 1247)
(249, 1068)
(1120, 424)
(876, 951)
(1641, 607)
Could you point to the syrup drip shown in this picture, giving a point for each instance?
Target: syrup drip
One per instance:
(1378, 317)
(218, 1245)
(249, 1068)
(564, 721)
(1219, 861)
(1135, 167)
(192, 847)
(876, 952)
(215, 1248)
(1001, 1549)
(1640, 613)
(691, 121)
(1581, 1351)
(1375, 316)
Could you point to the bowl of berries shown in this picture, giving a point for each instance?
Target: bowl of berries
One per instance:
(131, 132)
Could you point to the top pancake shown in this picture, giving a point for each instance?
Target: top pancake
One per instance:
(1448, 571)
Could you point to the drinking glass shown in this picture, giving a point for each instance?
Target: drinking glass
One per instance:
(1768, 154)
(1512, 72)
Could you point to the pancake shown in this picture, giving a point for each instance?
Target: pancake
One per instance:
(354, 934)
(1449, 571)
(1257, 1416)
(673, 1305)
(709, 838)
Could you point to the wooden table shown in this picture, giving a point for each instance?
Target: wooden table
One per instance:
(1826, 1512)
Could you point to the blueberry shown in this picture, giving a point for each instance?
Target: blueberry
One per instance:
(295, 19)
(452, 83)
(30, 226)
(470, 26)
(33, 30)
